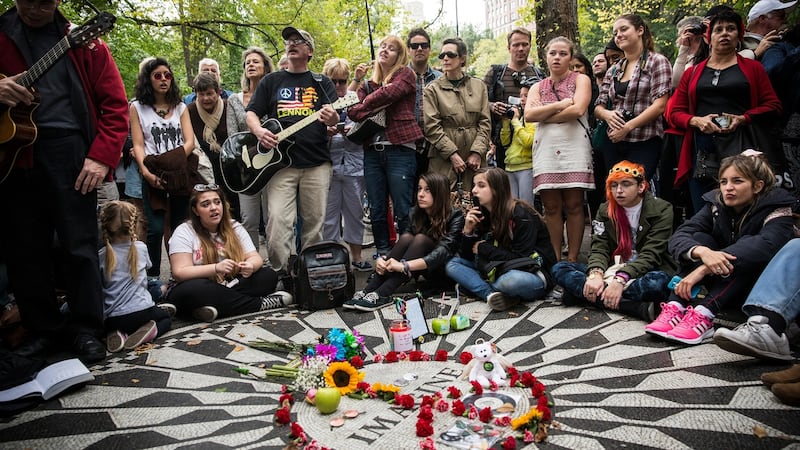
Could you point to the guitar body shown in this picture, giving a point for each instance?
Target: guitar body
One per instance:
(17, 131)
(246, 167)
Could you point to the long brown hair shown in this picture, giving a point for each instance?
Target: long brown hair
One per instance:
(647, 37)
(503, 204)
(378, 77)
(119, 221)
(230, 241)
(439, 186)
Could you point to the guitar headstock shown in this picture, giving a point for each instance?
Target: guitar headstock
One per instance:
(93, 29)
(350, 99)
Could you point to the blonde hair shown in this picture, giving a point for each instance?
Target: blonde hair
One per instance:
(378, 77)
(119, 222)
(336, 65)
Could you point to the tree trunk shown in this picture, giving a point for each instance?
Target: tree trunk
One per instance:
(555, 18)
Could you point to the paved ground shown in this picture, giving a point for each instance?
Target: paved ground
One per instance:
(613, 386)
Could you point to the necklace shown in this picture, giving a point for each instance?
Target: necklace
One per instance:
(161, 112)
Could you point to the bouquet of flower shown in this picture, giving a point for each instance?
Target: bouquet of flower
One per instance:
(338, 345)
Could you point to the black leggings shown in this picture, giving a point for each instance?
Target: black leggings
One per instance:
(409, 246)
(128, 323)
(243, 298)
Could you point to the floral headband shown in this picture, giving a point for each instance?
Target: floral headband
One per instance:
(627, 170)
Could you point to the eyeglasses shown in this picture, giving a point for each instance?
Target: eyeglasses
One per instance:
(205, 187)
(339, 80)
(418, 45)
(162, 75)
(715, 80)
(450, 55)
(623, 185)
(45, 6)
(297, 41)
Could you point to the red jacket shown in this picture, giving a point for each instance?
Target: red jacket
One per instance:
(682, 105)
(398, 97)
(105, 96)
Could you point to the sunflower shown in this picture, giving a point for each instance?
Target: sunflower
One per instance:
(529, 420)
(343, 377)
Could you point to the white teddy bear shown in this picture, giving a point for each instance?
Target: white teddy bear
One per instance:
(486, 365)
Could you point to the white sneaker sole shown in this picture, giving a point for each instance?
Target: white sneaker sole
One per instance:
(743, 348)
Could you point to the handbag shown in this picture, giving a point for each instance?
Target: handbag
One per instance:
(494, 269)
(600, 134)
(363, 131)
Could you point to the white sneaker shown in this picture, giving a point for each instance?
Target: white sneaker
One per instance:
(754, 338)
(205, 314)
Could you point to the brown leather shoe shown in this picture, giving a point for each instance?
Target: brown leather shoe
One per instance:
(790, 375)
(788, 393)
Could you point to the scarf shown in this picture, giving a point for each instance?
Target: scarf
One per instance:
(211, 122)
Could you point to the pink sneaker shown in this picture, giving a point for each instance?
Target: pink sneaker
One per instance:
(695, 328)
(670, 316)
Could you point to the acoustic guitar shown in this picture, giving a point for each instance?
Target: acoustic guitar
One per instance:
(17, 129)
(247, 167)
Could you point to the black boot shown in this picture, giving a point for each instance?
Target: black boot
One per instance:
(641, 310)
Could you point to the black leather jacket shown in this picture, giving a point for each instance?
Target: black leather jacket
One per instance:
(448, 245)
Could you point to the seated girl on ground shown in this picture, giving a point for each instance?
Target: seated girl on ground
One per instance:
(506, 254)
(216, 265)
(129, 310)
(634, 227)
(724, 247)
(432, 237)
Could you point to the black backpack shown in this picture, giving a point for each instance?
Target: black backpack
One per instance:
(323, 277)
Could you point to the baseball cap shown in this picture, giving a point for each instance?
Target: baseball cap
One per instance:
(763, 7)
(288, 31)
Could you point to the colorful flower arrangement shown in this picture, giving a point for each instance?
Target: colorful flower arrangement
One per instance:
(532, 426)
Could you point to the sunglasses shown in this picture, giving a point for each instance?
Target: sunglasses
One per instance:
(165, 75)
(339, 80)
(450, 55)
(419, 45)
(715, 80)
(205, 187)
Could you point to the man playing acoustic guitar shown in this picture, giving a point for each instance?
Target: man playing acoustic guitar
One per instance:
(68, 145)
(288, 96)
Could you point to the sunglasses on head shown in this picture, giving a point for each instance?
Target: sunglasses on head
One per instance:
(418, 45)
(205, 187)
(339, 80)
(165, 75)
(450, 55)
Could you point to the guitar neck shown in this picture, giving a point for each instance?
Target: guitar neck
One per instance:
(44, 63)
(297, 126)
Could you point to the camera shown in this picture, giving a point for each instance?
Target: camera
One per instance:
(513, 102)
(696, 29)
(627, 115)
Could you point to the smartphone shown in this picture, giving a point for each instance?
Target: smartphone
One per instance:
(721, 121)
(340, 127)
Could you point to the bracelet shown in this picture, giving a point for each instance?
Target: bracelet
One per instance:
(619, 280)
(623, 275)
(215, 268)
(357, 80)
(406, 268)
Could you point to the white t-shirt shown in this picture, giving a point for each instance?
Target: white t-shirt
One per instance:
(121, 293)
(185, 240)
(160, 135)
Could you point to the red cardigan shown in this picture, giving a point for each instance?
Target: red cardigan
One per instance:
(105, 97)
(398, 97)
(682, 105)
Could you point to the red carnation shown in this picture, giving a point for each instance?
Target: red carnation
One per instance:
(493, 386)
(510, 443)
(537, 390)
(453, 392)
(427, 444)
(512, 371)
(465, 357)
(485, 415)
(458, 408)
(426, 412)
(504, 421)
(441, 355)
(427, 400)
(377, 358)
(442, 406)
(416, 355)
(357, 362)
(391, 357)
(286, 398)
(476, 387)
(297, 430)
(282, 416)
(424, 428)
(405, 401)
(528, 380)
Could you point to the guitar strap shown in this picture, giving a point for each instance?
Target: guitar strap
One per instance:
(317, 77)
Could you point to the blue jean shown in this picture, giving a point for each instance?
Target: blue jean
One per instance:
(178, 206)
(514, 283)
(391, 172)
(778, 287)
(650, 287)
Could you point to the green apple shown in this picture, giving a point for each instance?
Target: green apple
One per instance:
(327, 399)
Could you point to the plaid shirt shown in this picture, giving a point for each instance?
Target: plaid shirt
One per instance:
(645, 86)
(422, 81)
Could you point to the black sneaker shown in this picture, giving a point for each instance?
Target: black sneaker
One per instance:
(88, 348)
(372, 302)
(351, 304)
(205, 313)
(277, 299)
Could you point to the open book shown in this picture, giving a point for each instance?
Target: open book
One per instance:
(50, 381)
